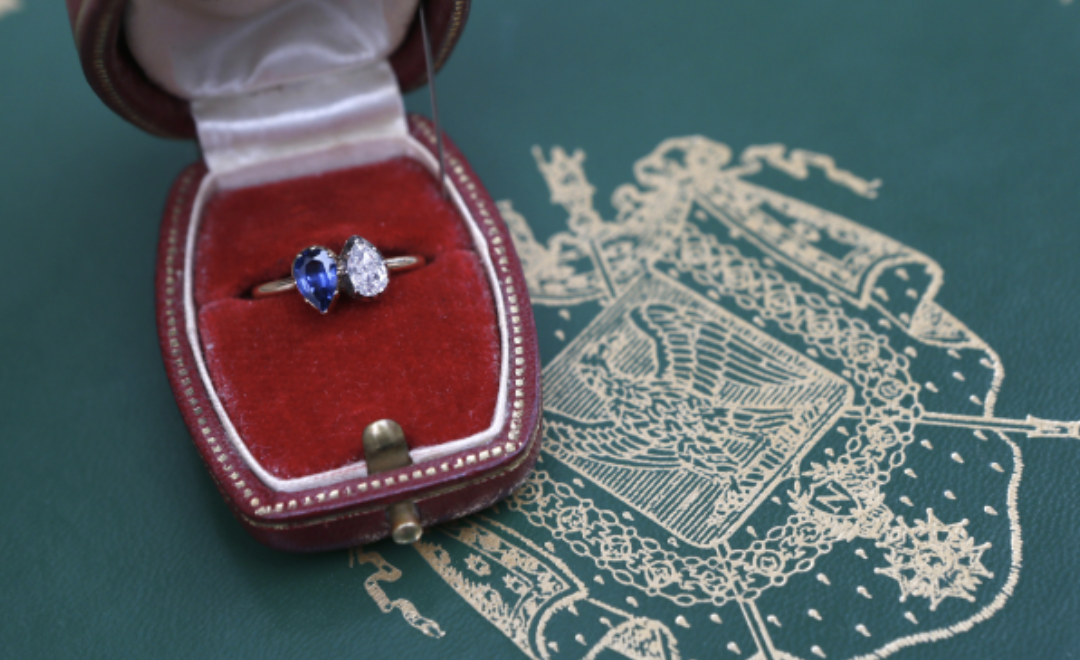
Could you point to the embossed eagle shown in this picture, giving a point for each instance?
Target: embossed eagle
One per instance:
(713, 402)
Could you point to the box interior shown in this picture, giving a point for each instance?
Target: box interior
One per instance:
(298, 386)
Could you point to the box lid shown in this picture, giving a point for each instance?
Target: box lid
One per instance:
(115, 75)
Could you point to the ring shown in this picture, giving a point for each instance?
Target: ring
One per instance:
(316, 273)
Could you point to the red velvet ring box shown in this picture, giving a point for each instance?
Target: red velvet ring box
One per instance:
(297, 107)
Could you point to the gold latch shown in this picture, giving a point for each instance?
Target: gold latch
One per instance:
(385, 449)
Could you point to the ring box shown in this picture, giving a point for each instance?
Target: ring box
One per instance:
(297, 108)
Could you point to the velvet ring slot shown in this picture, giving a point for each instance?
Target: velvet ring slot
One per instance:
(425, 353)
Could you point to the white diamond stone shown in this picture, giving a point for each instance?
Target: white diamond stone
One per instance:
(365, 268)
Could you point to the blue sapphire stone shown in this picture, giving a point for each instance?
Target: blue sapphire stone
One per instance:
(315, 271)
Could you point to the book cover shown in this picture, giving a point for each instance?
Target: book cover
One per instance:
(804, 279)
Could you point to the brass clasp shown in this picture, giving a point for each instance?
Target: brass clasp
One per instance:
(385, 449)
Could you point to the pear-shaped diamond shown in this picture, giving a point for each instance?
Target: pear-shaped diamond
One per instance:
(316, 273)
(365, 268)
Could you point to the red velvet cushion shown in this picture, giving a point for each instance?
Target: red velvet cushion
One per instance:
(300, 386)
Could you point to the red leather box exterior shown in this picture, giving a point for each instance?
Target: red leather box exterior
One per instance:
(338, 512)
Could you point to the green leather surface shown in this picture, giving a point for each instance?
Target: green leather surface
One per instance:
(115, 542)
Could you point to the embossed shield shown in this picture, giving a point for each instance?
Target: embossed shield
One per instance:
(684, 411)
(761, 426)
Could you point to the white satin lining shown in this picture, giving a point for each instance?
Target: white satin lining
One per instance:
(407, 146)
(296, 129)
(208, 48)
(279, 88)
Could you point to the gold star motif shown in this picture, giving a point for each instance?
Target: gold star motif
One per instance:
(934, 560)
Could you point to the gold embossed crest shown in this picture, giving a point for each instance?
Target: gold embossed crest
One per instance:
(763, 435)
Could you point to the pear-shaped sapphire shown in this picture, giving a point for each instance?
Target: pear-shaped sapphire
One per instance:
(316, 273)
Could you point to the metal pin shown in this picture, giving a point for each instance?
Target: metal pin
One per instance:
(405, 523)
(434, 101)
(385, 449)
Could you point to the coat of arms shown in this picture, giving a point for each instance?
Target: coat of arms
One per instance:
(761, 425)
